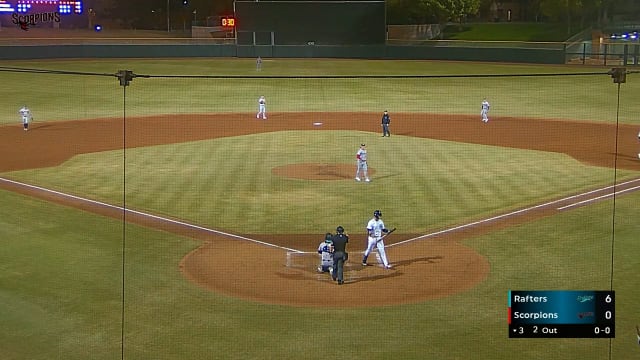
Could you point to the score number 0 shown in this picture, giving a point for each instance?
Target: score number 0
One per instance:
(228, 22)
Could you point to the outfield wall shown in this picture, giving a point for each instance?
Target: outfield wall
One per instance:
(497, 54)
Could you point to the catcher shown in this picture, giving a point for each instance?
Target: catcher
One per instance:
(325, 249)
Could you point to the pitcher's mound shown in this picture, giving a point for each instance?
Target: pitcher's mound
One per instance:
(313, 171)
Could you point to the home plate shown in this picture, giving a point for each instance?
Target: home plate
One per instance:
(317, 123)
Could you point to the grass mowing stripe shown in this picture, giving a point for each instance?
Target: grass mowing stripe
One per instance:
(259, 196)
(169, 318)
(582, 97)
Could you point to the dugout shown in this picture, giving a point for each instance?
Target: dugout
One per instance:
(310, 22)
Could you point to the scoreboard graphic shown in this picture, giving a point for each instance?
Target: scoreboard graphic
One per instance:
(561, 314)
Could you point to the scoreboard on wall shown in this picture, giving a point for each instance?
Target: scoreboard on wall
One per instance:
(64, 7)
(561, 314)
(228, 22)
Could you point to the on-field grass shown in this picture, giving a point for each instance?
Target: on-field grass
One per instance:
(54, 97)
(75, 285)
(421, 184)
(72, 309)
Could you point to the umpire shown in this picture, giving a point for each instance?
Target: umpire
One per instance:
(340, 255)
(385, 124)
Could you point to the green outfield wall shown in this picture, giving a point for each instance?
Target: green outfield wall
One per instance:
(497, 54)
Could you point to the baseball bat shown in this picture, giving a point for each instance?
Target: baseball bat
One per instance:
(385, 235)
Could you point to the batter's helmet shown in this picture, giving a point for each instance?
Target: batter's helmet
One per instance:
(377, 213)
(339, 229)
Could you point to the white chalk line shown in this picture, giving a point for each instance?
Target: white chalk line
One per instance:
(459, 227)
(583, 202)
(425, 236)
(143, 214)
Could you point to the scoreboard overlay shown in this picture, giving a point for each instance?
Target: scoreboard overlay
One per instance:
(561, 314)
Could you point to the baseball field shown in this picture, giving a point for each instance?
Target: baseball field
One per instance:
(164, 221)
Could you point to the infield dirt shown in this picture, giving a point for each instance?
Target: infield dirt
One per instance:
(422, 270)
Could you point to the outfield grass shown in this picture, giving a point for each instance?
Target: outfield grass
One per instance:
(55, 97)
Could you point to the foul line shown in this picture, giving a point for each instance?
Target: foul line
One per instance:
(459, 227)
(151, 216)
(598, 198)
(452, 229)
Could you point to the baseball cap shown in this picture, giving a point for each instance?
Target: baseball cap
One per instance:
(363, 145)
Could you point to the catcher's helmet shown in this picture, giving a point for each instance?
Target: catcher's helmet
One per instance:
(339, 229)
(328, 238)
(377, 213)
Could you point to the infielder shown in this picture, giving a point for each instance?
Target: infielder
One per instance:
(325, 249)
(375, 231)
(385, 124)
(25, 113)
(262, 108)
(485, 110)
(361, 163)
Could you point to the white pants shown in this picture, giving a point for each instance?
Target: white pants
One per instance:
(484, 114)
(373, 242)
(262, 110)
(361, 168)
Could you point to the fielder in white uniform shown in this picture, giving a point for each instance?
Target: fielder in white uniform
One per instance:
(361, 163)
(325, 249)
(26, 116)
(262, 108)
(375, 230)
(485, 110)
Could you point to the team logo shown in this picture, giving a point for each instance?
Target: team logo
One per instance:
(30, 20)
(586, 314)
(585, 298)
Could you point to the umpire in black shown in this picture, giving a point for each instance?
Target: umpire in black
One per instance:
(385, 124)
(340, 255)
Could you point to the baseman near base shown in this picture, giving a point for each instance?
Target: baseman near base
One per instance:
(26, 117)
(262, 108)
